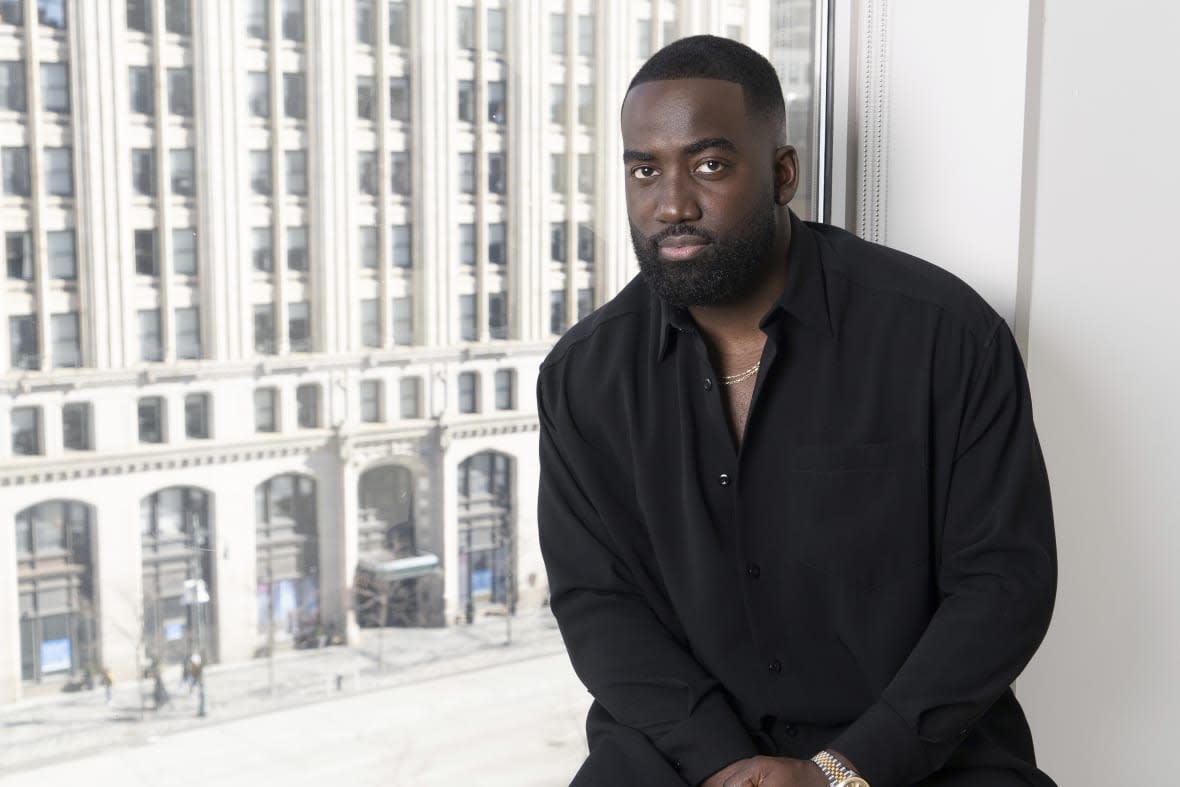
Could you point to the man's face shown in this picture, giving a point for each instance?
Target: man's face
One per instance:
(701, 189)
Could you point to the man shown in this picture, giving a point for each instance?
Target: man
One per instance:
(793, 508)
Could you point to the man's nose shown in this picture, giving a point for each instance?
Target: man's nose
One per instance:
(677, 201)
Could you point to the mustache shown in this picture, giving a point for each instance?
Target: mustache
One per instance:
(680, 230)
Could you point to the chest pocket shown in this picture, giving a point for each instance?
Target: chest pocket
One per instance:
(856, 512)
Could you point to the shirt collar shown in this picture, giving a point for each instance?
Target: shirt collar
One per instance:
(805, 296)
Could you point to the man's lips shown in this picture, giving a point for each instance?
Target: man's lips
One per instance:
(682, 247)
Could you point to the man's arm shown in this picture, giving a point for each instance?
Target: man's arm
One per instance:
(997, 578)
(629, 659)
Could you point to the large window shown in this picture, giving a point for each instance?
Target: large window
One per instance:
(150, 411)
(196, 416)
(75, 426)
(26, 431)
(287, 559)
(67, 344)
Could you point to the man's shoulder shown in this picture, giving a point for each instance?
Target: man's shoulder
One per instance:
(620, 327)
(882, 272)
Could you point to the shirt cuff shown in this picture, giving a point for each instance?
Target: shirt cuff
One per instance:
(884, 749)
(707, 741)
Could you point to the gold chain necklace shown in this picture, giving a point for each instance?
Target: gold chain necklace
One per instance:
(734, 379)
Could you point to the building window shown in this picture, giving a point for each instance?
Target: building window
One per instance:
(366, 98)
(497, 111)
(188, 333)
(293, 25)
(557, 238)
(296, 172)
(557, 93)
(366, 163)
(183, 166)
(266, 410)
(399, 24)
(258, 19)
(143, 171)
(586, 173)
(468, 392)
(260, 172)
(585, 302)
(258, 91)
(401, 240)
(307, 406)
(466, 244)
(586, 36)
(586, 105)
(399, 99)
(52, 13)
(468, 328)
(371, 323)
(15, 165)
(18, 249)
(264, 328)
(180, 92)
(13, 95)
(196, 416)
(371, 401)
(466, 101)
(262, 251)
(178, 17)
(399, 172)
(297, 256)
(365, 20)
(369, 247)
(151, 419)
(59, 171)
(466, 20)
(12, 12)
(558, 182)
(143, 100)
(410, 398)
(403, 320)
(75, 426)
(184, 251)
(55, 87)
(557, 312)
(22, 342)
(139, 16)
(67, 345)
(557, 34)
(643, 44)
(146, 258)
(26, 431)
(669, 31)
(151, 349)
(498, 315)
(505, 389)
(497, 173)
(467, 173)
(495, 41)
(585, 242)
(295, 96)
(496, 244)
(299, 326)
(63, 260)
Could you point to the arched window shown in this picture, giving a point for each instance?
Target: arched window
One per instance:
(288, 558)
(387, 512)
(55, 582)
(486, 532)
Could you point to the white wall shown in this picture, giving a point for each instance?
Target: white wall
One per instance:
(1104, 364)
(1028, 146)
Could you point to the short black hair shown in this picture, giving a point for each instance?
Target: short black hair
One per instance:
(712, 57)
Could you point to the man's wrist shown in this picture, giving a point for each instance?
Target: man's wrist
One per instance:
(838, 770)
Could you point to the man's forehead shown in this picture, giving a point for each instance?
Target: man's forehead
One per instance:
(683, 107)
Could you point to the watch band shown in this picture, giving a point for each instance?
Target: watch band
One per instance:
(835, 771)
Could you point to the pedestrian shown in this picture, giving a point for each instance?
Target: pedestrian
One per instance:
(159, 691)
(108, 683)
(793, 509)
(194, 671)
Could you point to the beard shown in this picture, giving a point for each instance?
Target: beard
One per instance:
(726, 270)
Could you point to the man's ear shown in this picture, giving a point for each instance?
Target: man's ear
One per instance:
(786, 174)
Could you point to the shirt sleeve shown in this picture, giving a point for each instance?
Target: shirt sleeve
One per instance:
(633, 661)
(997, 574)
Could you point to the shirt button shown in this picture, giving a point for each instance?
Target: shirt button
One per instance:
(708, 384)
(753, 570)
(723, 479)
(676, 764)
(775, 666)
(791, 730)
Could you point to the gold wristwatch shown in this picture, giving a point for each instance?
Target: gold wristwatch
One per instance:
(838, 775)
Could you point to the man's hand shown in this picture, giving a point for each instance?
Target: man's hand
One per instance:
(768, 772)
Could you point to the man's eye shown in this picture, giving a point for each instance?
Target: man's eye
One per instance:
(711, 166)
(642, 173)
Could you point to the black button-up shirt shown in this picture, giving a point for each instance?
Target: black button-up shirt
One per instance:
(873, 567)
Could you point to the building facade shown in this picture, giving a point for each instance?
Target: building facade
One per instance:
(279, 274)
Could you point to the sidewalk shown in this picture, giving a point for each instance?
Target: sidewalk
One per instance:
(55, 727)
